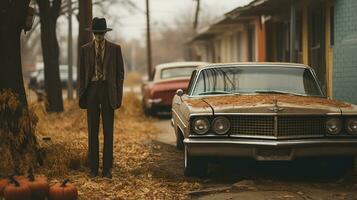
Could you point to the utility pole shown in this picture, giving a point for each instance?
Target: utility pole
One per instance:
(148, 40)
(292, 31)
(133, 55)
(195, 23)
(70, 53)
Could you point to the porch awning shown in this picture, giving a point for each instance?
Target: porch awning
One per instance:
(218, 27)
(260, 7)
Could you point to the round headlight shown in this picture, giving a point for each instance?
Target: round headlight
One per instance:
(351, 126)
(200, 125)
(333, 126)
(221, 125)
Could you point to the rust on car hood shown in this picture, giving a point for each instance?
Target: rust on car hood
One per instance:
(263, 103)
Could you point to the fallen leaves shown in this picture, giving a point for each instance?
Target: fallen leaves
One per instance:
(138, 171)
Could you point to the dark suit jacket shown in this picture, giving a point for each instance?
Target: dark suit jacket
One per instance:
(113, 62)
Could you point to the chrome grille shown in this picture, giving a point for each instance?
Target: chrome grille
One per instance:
(301, 126)
(252, 125)
(277, 126)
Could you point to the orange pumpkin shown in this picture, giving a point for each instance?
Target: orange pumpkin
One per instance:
(3, 184)
(64, 191)
(17, 191)
(39, 186)
(19, 178)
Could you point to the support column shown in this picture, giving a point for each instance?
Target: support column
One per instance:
(260, 27)
(148, 41)
(328, 49)
(292, 31)
(305, 34)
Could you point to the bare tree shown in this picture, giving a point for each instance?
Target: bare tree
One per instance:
(12, 20)
(85, 15)
(49, 13)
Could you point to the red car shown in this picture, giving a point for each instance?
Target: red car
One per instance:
(168, 77)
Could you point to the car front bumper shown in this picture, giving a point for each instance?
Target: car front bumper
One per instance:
(270, 150)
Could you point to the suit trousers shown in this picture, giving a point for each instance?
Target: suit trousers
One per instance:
(98, 104)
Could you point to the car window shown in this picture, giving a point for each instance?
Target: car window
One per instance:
(256, 79)
(177, 72)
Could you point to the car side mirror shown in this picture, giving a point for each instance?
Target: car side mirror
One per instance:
(179, 92)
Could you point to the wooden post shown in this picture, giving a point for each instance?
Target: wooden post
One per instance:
(328, 49)
(305, 34)
(292, 31)
(195, 24)
(148, 39)
(260, 27)
(70, 53)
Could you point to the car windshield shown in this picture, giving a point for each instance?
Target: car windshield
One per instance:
(177, 72)
(253, 79)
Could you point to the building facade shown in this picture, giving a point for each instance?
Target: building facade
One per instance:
(345, 51)
(321, 34)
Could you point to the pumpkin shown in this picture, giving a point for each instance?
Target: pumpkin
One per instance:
(3, 184)
(63, 191)
(39, 186)
(17, 191)
(19, 178)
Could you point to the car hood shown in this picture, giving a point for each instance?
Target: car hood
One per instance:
(268, 103)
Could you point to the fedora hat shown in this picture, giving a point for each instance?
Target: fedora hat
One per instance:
(99, 25)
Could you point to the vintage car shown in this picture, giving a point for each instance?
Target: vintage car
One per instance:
(167, 78)
(264, 111)
(37, 78)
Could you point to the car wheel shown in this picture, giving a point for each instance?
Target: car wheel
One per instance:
(179, 144)
(194, 166)
(179, 141)
(147, 111)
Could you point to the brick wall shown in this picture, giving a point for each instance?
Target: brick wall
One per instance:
(345, 51)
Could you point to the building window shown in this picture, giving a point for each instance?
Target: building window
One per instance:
(239, 46)
(251, 44)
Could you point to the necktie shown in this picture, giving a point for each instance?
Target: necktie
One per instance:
(99, 61)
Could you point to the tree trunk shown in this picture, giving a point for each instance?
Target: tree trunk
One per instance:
(50, 51)
(85, 15)
(12, 19)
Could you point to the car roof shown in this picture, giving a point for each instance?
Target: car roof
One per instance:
(255, 64)
(179, 64)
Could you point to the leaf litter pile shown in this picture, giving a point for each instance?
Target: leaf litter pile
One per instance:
(18, 143)
(143, 169)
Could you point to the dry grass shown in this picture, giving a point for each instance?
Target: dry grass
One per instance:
(17, 135)
(133, 79)
(137, 171)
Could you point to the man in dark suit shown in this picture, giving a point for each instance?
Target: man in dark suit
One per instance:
(101, 75)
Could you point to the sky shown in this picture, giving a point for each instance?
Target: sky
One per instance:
(131, 23)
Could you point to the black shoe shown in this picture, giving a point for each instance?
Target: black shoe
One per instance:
(93, 174)
(107, 174)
